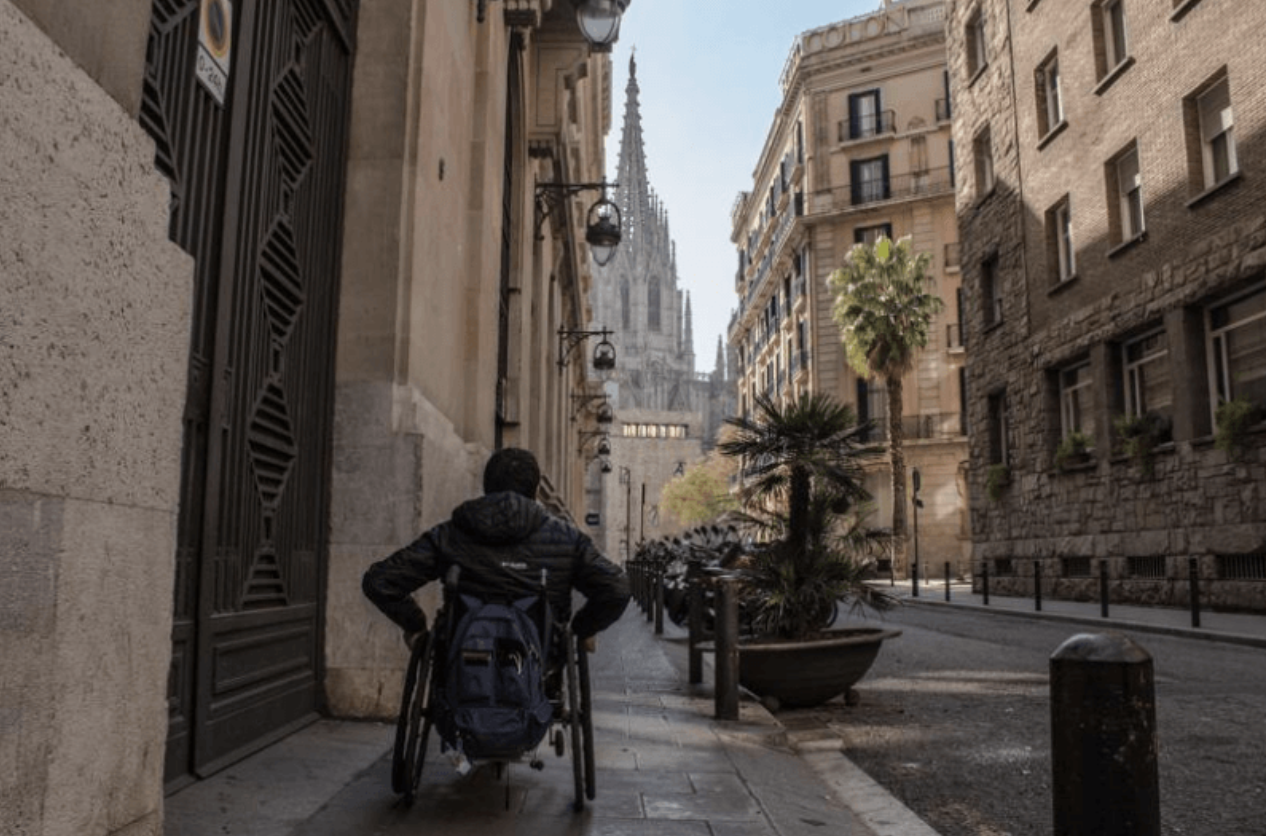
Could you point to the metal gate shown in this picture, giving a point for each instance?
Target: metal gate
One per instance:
(257, 196)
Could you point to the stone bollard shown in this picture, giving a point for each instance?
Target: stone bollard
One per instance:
(1103, 738)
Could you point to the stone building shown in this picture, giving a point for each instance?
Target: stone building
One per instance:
(860, 146)
(277, 276)
(666, 413)
(1114, 262)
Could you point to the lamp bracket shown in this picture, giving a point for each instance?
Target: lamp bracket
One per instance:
(550, 197)
(580, 402)
(569, 340)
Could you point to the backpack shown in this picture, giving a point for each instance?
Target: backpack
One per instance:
(493, 696)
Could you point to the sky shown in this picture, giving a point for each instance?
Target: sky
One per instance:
(708, 73)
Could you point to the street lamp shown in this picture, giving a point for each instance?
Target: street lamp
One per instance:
(603, 352)
(602, 227)
(599, 20)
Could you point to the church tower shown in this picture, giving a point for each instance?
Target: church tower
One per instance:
(667, 415)
(636, 294)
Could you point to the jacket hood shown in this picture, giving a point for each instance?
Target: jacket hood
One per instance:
(500, 518)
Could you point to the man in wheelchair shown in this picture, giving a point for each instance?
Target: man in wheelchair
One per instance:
(501, 542)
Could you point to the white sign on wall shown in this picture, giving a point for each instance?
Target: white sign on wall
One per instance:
(215, 47)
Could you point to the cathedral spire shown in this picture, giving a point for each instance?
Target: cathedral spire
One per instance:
(634, 194)
(688, 332)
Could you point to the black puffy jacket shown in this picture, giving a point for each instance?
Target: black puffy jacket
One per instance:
(502, 541)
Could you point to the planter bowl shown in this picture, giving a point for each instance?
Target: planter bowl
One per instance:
(807, 673)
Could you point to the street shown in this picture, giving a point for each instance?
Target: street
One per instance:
(954, 720)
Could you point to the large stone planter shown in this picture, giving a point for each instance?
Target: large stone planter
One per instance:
(808, 673)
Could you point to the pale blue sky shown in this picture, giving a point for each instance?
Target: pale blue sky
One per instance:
(708, 72)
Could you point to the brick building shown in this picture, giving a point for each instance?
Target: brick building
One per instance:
(860, 146)
(1113, 222)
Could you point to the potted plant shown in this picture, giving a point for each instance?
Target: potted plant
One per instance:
(803, 493)
(1234, 418)
(996, 479)
(1140, 436)
(1073, 450)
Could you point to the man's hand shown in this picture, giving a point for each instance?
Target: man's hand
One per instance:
(590, 644)
(412, 640)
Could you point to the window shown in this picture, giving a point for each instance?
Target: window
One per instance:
(1076, 401)
(982, 152)
(868, 235)
(1050, 106)
(974, 40)
(1059, 237)
(1237, 341)
(999, 452)
(1125, 196)
(1114, 32)
(1148, 384)
(864, 117)
(652, 304)
(870, 179)
(991, 291)
(1210, 135)
(1111, 46)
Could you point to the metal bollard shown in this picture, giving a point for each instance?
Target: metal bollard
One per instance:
(1103, 588)
(984, 576)
(727, 653)
(1193, 582)
(914, 575)
(1103, 738)
(694, 591)
(947, 580)
(659, 602)
(1037, 585)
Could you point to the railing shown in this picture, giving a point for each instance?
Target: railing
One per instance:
(866, 125)
(943, 110)
(953, 255)
(923, 184)
(933, 426)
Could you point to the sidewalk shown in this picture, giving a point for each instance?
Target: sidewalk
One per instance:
(664, 766)
(1232, 628)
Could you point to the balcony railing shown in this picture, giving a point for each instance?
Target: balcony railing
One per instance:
(866, 125)
(922, 184)
(933, 426)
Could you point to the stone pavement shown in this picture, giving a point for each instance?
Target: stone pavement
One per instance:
(664, 766)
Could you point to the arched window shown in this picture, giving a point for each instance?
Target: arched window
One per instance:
(626, 318)
(652, 304)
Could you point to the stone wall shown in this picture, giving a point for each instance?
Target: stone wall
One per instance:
(94, 334)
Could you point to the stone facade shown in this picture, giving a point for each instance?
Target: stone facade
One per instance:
(458, 271)
(1048, 323)
(94, 321)
(861, 96)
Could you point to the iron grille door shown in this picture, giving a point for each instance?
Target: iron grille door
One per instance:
(257, 200)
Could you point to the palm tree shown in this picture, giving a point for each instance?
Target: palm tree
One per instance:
(803, 466)
(884, 309)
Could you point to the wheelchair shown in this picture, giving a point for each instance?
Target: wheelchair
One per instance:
(570, 733)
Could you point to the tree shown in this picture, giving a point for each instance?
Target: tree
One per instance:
(803, 471)
(884, 308)
(701, 495)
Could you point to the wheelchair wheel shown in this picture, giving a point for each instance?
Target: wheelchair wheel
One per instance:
(574, 720)
(586, 719)
(413, 727)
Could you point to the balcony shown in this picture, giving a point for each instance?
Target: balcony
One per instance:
(933, 426)
(929, 183)
(868, 125)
